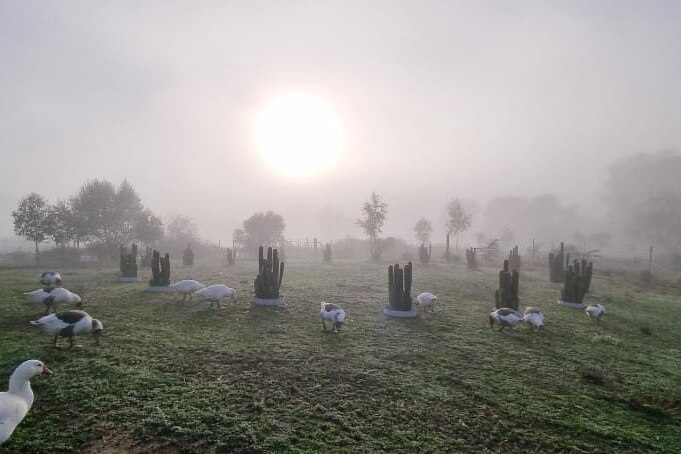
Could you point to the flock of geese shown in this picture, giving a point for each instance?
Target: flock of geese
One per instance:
(506, 317)
(17, 401)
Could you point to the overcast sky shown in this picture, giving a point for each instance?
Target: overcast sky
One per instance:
(436, 99)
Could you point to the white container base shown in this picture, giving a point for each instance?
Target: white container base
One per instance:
(128, 279)
(269, 302)
(572, 305)
(400, 314)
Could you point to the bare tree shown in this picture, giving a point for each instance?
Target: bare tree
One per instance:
(459, 220)
(423, 230)
(30, 220)
(375, 214)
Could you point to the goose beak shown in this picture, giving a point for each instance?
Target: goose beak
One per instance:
(46, 371)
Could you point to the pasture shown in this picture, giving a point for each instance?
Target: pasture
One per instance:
(180, 377)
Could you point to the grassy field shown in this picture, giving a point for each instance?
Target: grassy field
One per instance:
(184, 378)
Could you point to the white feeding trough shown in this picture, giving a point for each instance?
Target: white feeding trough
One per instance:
(269, 302)
(571, 305)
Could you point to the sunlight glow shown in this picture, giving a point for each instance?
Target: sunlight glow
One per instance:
(298, 135)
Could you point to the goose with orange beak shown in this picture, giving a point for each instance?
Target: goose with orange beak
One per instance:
(18, 400)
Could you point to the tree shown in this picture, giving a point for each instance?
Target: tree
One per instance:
(375, 214)
(147, 227)
(458, 219)
(658, 221)
(261, 229)
(634, 180)
(95, 208)
(128, 208)
(543, 218)
(30, 221)
(58, 223)
(182, 229)
(422, 230)
(104, 214)
(77, 222)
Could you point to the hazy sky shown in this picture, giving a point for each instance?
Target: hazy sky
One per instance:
(436, 99)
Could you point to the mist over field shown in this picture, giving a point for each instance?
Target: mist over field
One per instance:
(340, 226)
(436, 100)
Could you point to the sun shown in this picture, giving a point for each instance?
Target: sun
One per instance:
(298, 135)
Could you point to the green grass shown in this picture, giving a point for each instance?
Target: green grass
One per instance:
(183, 378)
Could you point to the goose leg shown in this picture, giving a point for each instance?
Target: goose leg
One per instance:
(55, 342)
(71, 341)
(323, 324)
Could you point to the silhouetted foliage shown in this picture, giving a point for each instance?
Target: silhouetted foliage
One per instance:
(260, 229)
(375, 214)
(658, 221)
(422, 230)
(60, 226)
(637, 180)
(30, 221)
(147, 227)
(106, 215)
(458, 220)
(181, 230)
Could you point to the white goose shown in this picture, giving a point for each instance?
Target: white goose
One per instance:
(186, 287)
(534, 317)
(332, 313)
(427, 300)
(215, 293)
(50, 279)
(70, 324)
(595, 311)
(505, 317)
(17, 401)
(50, 297)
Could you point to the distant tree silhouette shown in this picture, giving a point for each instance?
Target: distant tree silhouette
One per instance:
(422, 230)
(375, 214)
(261, 229)
(30, 220)
(458, 220)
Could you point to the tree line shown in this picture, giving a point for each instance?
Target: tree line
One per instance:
(375, 213)
(98, 214)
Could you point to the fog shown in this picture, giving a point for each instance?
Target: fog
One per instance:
(474, 100)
